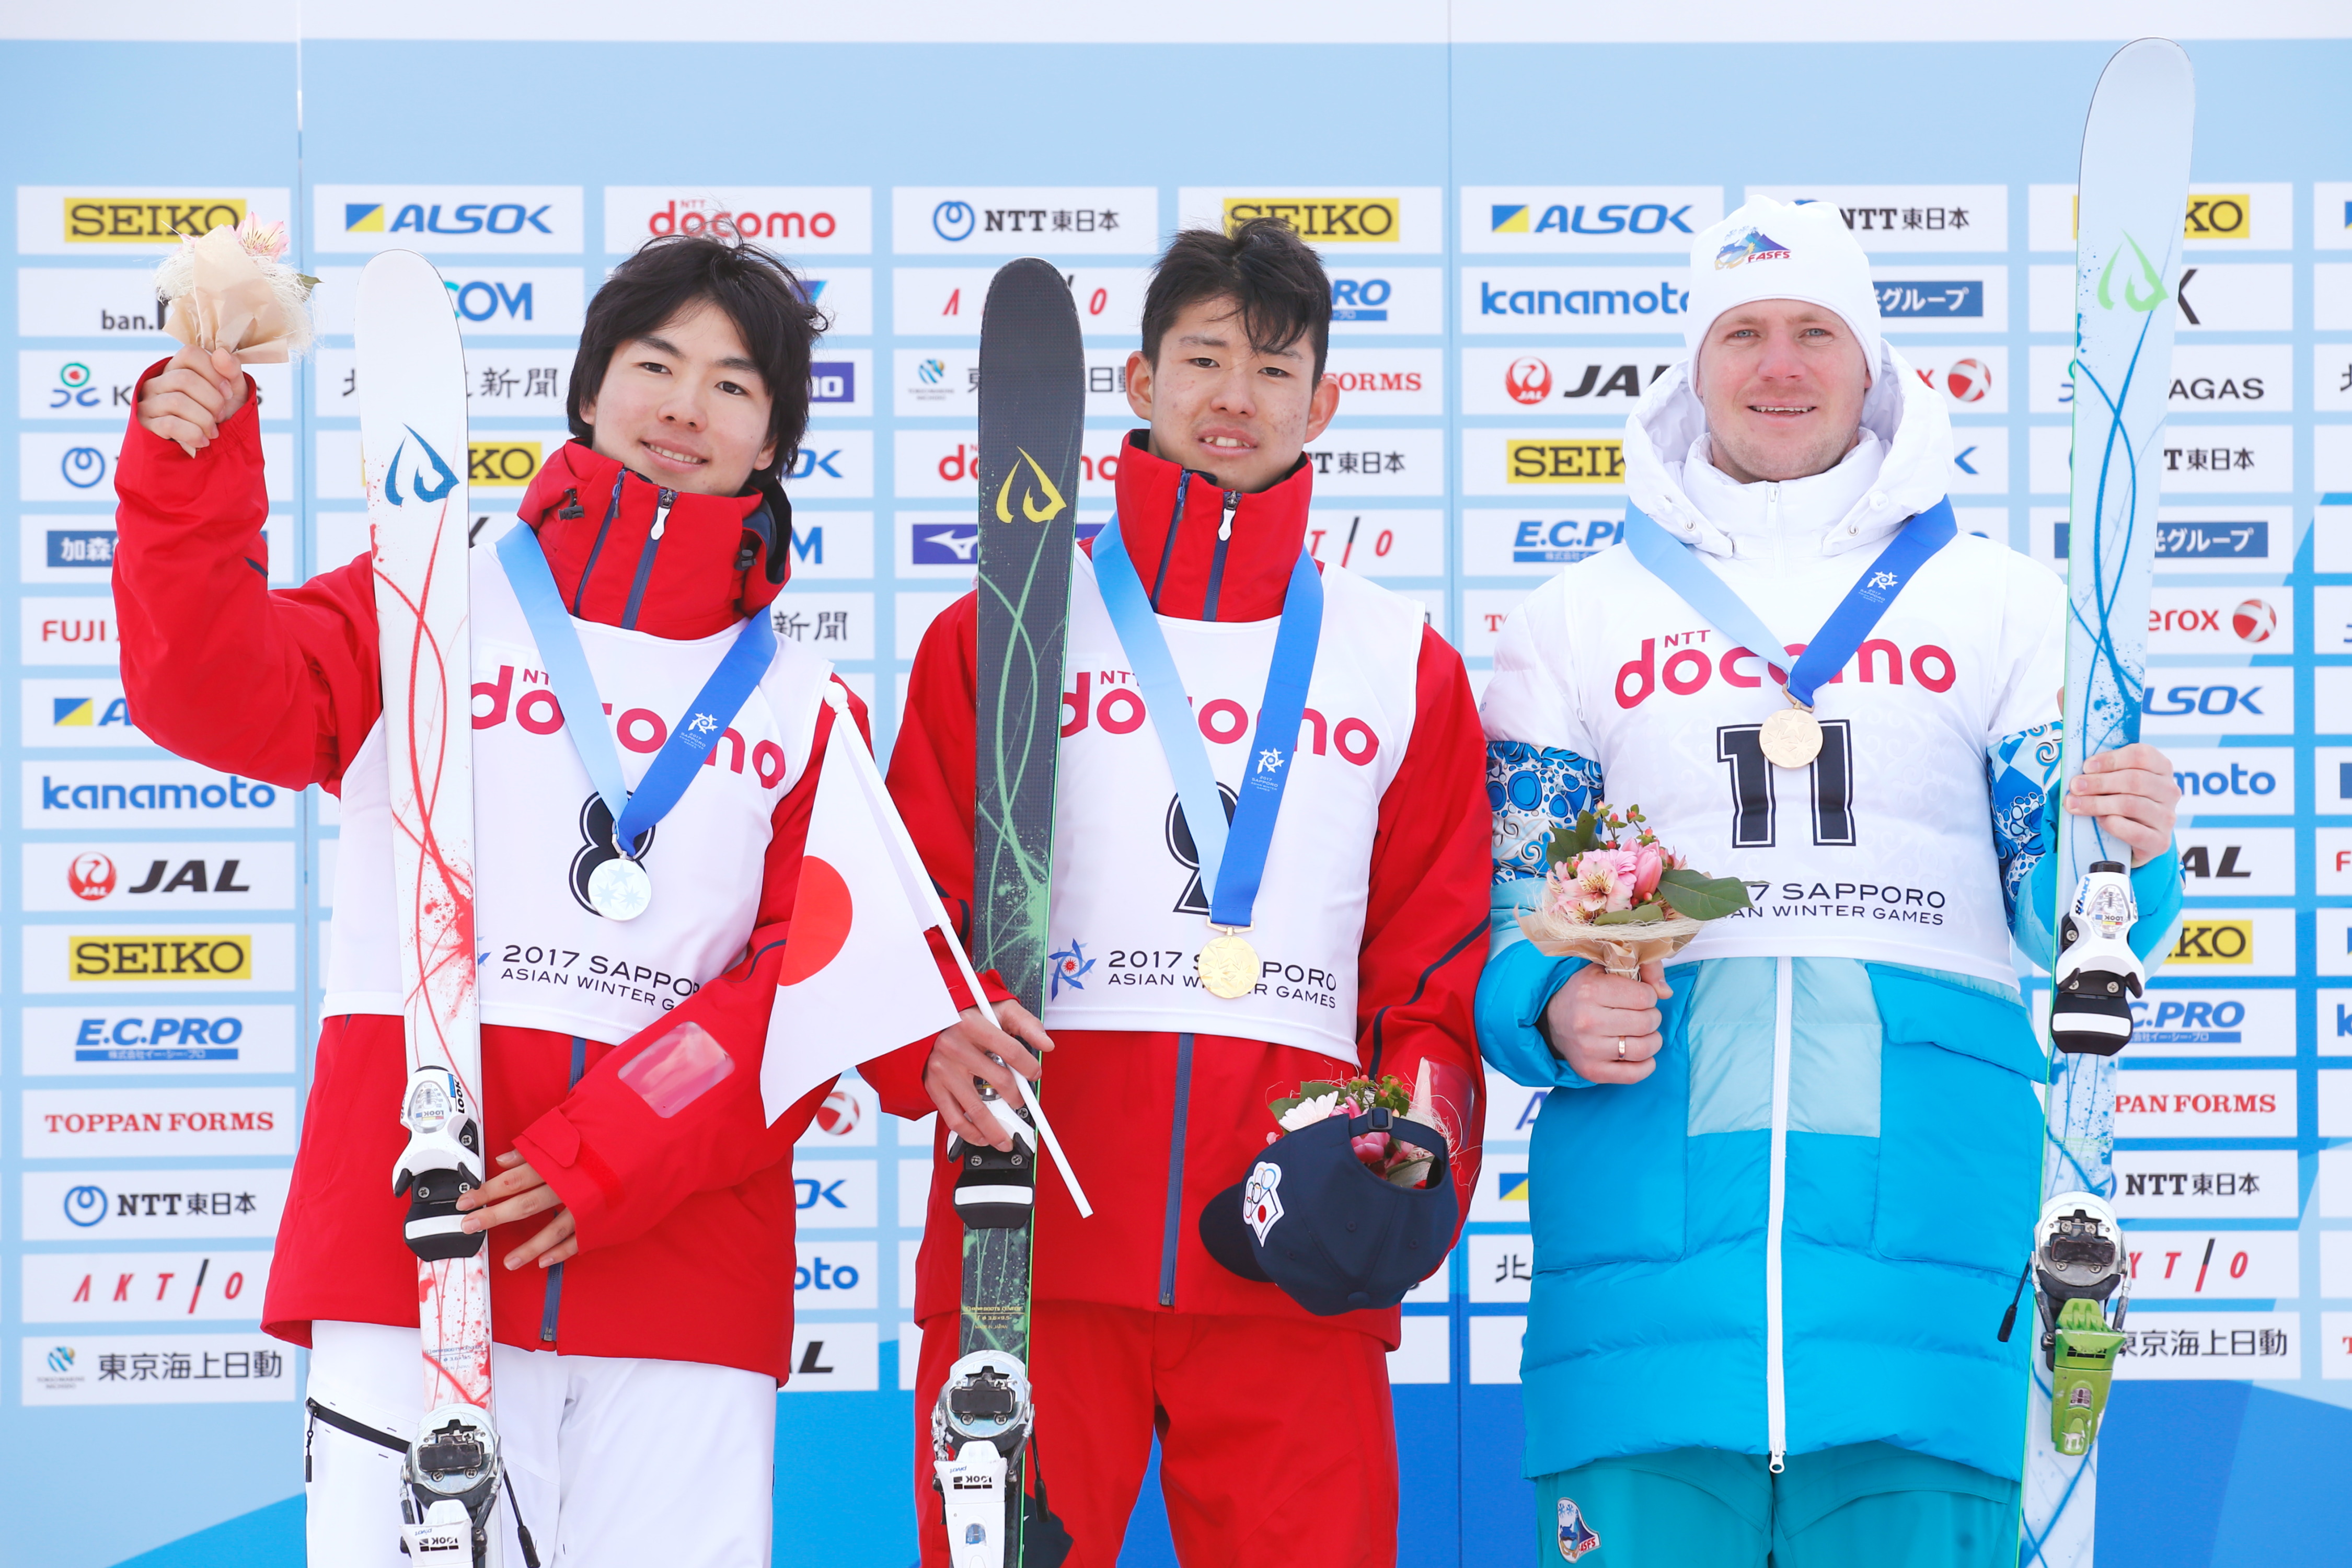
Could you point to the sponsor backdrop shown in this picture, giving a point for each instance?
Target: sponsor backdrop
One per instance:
(1505, 221)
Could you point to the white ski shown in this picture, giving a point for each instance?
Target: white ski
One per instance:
(2132, 198)
(412, 439)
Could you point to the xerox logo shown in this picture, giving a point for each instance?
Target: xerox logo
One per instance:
(464, 218)
(2188, 620)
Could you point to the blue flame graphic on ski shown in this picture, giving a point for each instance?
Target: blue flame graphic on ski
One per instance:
(418, 490)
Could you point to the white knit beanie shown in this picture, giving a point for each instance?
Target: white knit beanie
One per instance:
(1770, 251)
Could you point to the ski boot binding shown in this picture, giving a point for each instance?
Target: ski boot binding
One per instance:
(2098, 975)
(2079, 1263)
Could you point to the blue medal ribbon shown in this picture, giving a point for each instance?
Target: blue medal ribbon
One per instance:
(691, 739)
(1231, 861)
(1677, 565)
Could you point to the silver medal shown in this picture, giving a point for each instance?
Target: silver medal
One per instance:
(620, 889)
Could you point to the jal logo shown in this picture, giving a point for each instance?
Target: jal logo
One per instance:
(2201, 862)
(1528, 380)
(1325, 220)
(1551, 460)
(79, 547)
(1602, 380)
(422, 218)
(1601, 217)
(1359, 300)
(1687, 668)
(90, 877)
(135, 220)
(1963, 381)
(833, 381)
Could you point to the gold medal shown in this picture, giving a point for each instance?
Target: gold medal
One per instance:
(1792, 738)
(1228, 965)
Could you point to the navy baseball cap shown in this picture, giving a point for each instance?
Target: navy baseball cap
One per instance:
(1314, 1220)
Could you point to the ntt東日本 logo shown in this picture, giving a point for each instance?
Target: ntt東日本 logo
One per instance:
(144, 220)
(1327, 220)
(1753, 245)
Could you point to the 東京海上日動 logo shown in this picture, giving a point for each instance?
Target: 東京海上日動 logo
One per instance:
(1753, 245)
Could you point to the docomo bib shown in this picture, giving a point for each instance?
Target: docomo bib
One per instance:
(1883, 846)
(547, 960)
(1128, 911)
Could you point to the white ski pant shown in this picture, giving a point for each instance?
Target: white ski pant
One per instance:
(618, 1463)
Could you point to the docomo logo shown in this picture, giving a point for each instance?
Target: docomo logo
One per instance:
(1687, 670)
(700, 217)
(1120, 711)
(963, 465)
(640, 730)
(105, 1122)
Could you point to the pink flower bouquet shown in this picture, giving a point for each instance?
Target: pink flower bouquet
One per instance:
(1397, 1162)
(1618, 896)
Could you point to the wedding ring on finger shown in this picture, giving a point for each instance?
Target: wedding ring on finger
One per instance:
(1621, 1047)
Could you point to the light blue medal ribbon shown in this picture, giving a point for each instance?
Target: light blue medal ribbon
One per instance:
(691, 739)
(1677, 565)
(1232, 862)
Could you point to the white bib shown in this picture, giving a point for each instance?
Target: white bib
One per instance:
(549, 961)
(1882, 848)
(1128, 914)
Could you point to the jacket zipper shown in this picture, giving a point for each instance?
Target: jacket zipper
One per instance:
(1167, 546)
(1175, 1222)
(662, 503)
(612, 510)
(1217, 556)
(1776, 1388)
(555, 1275)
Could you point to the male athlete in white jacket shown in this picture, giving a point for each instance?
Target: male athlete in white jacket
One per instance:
(1780, 1204)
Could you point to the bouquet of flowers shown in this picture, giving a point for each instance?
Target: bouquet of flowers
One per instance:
(229, 290)
(1399, 1163)
(1616, 895)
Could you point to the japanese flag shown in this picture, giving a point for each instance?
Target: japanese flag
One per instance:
(859, 976)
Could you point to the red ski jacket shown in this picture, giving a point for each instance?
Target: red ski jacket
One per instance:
(685, 1224)
(1115, 1098)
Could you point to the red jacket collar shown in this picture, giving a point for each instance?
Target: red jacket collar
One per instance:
(707, 570)
(1159, 503)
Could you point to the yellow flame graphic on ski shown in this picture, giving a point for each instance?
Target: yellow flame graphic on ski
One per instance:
(1028, 497)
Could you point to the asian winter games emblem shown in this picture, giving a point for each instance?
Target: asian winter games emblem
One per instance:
(1261, 1202)
(1575, 1539)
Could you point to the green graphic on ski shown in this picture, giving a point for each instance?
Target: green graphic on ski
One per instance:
(2132, 198)
(1032, 414)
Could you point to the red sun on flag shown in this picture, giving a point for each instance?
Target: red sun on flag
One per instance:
(821, 913)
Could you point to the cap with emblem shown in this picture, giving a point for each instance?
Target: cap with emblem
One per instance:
(1772, 250)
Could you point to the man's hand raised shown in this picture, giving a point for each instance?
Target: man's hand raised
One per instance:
(192, 397)
(1605, 1027)
(973, 1047)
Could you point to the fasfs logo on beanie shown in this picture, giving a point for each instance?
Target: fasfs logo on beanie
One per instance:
(1769, 250)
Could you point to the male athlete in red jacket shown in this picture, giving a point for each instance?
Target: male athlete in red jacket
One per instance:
(643, 1310)
(1276, 1439)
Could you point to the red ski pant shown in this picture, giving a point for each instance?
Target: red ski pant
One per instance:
(1277, 1449)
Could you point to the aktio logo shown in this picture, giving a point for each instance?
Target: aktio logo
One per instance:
(90, 877)
(952, 221)
(1528, 380)
(2254, 621)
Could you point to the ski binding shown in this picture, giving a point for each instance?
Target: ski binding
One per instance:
(2098, 974)
(2079, 1262)
(452, 1478)
(442, 1163)
(979, 1422)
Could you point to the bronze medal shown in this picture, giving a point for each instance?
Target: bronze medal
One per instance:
(1228, 966)
(1792, 738)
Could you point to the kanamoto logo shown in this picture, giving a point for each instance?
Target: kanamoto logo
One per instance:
(178, 958)
(501, 463)
(135, 220)
(1553, 461)
(1343, 220)
(1688, 668)
(1119, 711)
(2213, 942)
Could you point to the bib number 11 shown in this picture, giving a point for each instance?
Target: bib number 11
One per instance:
(1755, 785)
